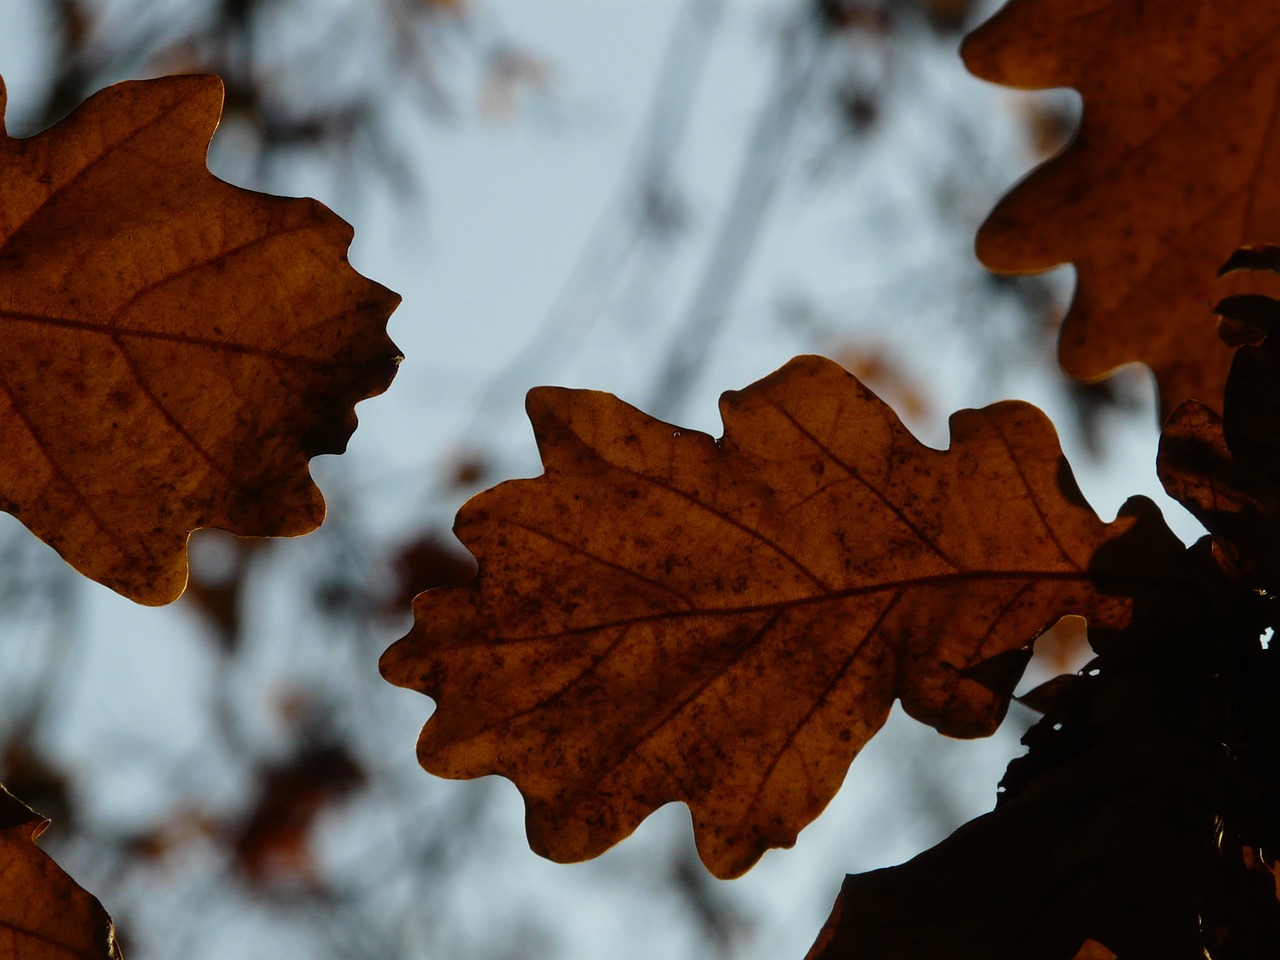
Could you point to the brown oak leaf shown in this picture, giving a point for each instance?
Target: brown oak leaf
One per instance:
(44, 914)
(176, 348)
(664, 616)
(1175, 165)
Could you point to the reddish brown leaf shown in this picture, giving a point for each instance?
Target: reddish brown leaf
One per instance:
(176, 348)
(1175, 166)
(44, 914)
(1093, 950)
(663, 616)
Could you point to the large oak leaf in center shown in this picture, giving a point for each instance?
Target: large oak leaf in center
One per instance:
(665, 616)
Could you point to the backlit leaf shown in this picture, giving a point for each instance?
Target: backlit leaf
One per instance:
(664, 616)
(44, 914)
(1176, 164)
(176, 348)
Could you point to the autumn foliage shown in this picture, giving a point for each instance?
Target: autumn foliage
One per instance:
(610, 668)
(176, 351)
(1171, 170)
(177, 348)
(666, 616)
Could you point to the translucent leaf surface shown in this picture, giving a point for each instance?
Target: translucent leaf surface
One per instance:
(44, 914)
(176, 348)
(1175, 165)
(665, 616)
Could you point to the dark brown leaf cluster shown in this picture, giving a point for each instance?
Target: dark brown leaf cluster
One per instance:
(666, 616)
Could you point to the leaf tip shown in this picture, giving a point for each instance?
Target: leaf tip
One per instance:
(974, 55)
(206, 89)
(165, 584)
(553, 413)
(733, 861)
(1001, 243)
(391, 665)
(541, 402)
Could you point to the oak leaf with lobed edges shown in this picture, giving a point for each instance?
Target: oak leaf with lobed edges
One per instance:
(663, 616)
(1175, 165)
(176, 348)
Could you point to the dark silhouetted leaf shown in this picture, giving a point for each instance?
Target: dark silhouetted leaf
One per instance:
(1226, 469)
(176, 348)
(1116, 831)
(1264, 256)
(1105, 851)
(1173, 168)
(1052, 693)
(44, 914)
(1259, 314)
(664, 616)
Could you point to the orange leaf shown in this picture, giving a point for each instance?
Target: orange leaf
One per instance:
(663, 616)
(1174, 167)
(176, 348)
(1093, 950)
(44, 914)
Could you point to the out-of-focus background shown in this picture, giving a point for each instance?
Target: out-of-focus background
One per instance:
(660, 198)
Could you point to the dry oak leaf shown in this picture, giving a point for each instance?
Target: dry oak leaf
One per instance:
(1175, 165)
(663, 616)
(176, 348)
(44, 914)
